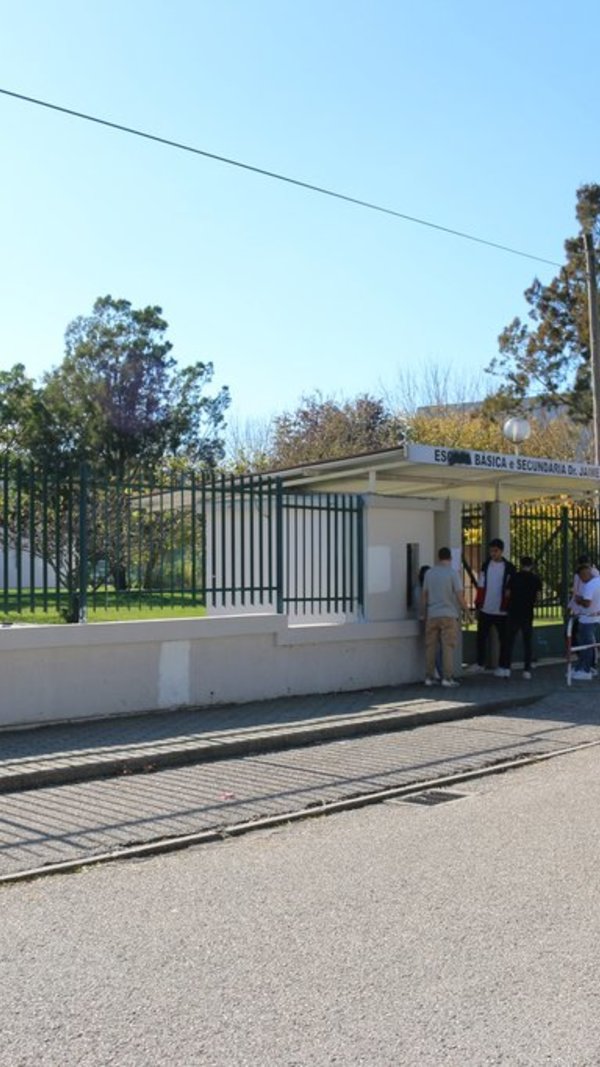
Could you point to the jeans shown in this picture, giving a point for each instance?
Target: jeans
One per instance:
(586, 635)
(484, 625)
(515, 623)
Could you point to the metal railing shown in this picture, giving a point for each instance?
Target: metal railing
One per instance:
(554, 535)
(474, 540)
(73, 543)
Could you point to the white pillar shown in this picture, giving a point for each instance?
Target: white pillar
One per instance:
(448, 534)
(498, 524)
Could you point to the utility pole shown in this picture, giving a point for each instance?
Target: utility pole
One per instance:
(592, 293)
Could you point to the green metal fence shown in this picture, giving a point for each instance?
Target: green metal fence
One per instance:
(474, 540)
(554, 535)
(73, 544)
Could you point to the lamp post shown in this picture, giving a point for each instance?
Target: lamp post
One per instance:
(516, 430)
(592, 293)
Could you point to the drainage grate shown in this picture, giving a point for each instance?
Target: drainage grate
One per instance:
(431, 797)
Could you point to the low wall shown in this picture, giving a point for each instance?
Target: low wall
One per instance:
(54, 673)
(548, 642)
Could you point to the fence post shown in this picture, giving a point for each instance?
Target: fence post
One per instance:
(360, 551)
(83, 546)
(279, 545)
(564, 558)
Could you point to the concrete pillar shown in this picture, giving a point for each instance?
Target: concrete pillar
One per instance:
(448, 528)
(448, 534)
(498, 524)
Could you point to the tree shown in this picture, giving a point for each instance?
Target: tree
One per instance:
(118, 399)
(119, 403)
(431, 385)
(324, 428)
(551, 357)
(22, 414)
(249, 445)
(559, 437)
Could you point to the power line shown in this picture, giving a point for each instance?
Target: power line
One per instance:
(279, 177)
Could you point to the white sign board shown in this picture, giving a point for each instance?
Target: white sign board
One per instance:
(496, 461)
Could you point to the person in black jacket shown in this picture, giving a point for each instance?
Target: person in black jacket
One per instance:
(492, 603)
(525, 587)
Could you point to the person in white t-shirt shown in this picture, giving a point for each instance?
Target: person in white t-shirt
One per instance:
(587, 602)
(573, 606)
(492, 595)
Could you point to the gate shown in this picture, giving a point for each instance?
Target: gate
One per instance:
(474, 541)
(553, 534)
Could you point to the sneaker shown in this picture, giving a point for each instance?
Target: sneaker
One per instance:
(581, 676)
(475, 668)
(502, 672)
(593, 672)
(450, 683)
(429, 681)
(527, 676)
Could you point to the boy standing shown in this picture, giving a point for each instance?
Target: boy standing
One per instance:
(442, 601)
(589, 618)
(525, 587)
(493, 593)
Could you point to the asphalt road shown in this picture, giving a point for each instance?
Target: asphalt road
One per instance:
(462, 934)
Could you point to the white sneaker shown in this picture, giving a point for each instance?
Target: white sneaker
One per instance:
(527, 676)
(475, 668)
(429, 681)
(450, 683)
(581, 676)
(502, 672)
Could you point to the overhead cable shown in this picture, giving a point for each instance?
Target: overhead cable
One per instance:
(279, 177)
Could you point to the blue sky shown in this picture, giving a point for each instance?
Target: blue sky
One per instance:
(478, 117)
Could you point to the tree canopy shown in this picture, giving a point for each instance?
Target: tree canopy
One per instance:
(319, 428)
(558, 437)
(550, 355)
(118, 399)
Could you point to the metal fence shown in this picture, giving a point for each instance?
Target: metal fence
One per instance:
(474, 540)
(554, 535)
(72, 543)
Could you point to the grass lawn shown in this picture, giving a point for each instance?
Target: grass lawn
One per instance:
(553, 620)
(106, 606)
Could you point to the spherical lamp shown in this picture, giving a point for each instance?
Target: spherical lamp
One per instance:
(516, 430)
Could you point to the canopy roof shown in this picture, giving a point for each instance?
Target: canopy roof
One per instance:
(415, 470)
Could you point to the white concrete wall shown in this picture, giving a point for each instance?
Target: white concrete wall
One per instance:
(54, 673)
(391, 524)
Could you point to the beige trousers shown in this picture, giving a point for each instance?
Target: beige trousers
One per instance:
(446, 632)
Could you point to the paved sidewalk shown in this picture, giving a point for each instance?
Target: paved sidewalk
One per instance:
(74, 752)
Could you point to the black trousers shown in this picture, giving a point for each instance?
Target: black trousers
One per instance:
(485, 622)
(516, 623)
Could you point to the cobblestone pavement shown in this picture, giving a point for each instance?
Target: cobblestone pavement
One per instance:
(75, 751)
(77, 821)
